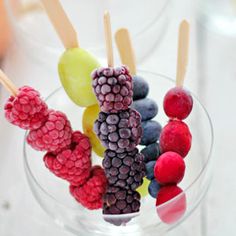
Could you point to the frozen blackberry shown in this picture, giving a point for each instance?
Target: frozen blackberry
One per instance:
(118, 201)
(120, 131)
(125, 170)
(113, 88)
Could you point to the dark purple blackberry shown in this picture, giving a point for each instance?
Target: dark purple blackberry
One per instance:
(113, 88)
(120, 131)
(125, 170)
(118, 201)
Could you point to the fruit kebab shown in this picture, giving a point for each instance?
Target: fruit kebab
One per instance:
(68, 152)
(175, 140)
(119, 128)
(145, 106)
(75, 64)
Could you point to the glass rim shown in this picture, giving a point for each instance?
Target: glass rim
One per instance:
(202, 171)
(38, 41)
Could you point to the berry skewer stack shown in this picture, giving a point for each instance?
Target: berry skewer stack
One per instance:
(68, 153)
(175, 138)
(119, 128)
(147, 108)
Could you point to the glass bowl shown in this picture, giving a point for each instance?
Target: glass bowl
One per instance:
(146, 22)
(53, 194)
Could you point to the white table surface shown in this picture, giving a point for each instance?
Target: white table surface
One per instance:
(211, 75)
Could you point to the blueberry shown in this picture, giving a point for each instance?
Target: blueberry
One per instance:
(147, 108)
(153, 188)
(151, 132)
(150, 169)
(141, 87)
(151, 152)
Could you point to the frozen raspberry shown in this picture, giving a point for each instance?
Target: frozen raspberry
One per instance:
(120, 201)
(171, 211)
(125, 170)
(169, 168)
(90, 194)
(27, 110)
(178, 103)
(176, 137)
(72, 164)
(113, 88)
(120, 131)
(54, 135)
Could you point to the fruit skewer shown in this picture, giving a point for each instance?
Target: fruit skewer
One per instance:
(75, 64)
(68, 153)
(175, 138)
(119, 129)
(146, 107)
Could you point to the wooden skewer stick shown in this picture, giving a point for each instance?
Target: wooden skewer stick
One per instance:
(7, 83)
(61, 23)
(108, 39)
(125, 48)
(183, 48)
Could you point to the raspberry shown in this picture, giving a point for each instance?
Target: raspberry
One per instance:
(90, 194)
(120, 131)
(54, 135)
(27, 110)
(72, 164)
(120, 201)
(113, 88)
(176, 137)
(125, 170)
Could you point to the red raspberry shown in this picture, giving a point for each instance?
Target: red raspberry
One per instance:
(178, 103)
(91, 193)
(169, 168)
(27, 110)
(176, 137)
(72, 164)
(54, 135)
(171, 211)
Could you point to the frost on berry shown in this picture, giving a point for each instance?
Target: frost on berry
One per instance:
(72, 164)
(27, 110)
(113, 88)
(120, 131)
(125, 170)
(54, 135)
(90, 194)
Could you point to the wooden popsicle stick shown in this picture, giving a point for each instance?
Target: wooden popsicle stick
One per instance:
(183, 48)
(125, 48)
(61, 23)
(108, 39)
(7, 83)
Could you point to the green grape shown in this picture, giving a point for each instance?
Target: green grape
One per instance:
(89, 117)
(75, 67)
(143, 189)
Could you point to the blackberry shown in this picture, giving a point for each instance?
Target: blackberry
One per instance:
(118, 201)
(125, 170)
(120, 131)
(113, 88)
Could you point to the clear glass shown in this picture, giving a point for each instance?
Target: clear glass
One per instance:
(146, 22)
(218, 15)
(53, 195)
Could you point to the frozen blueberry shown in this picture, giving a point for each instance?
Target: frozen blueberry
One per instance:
(153, 188)
(151, 132)
(147, 108)
(151, 152)
(150, 169)
(140, 87)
